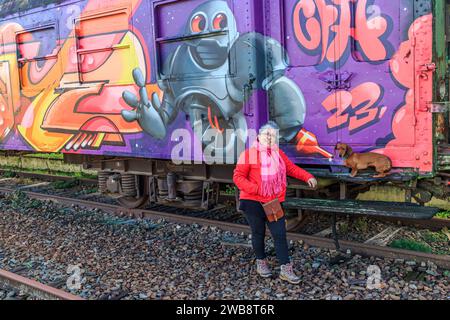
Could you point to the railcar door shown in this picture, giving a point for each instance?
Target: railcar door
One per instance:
(356, 63)
(375, 65)
(300, 26)
(6, 105)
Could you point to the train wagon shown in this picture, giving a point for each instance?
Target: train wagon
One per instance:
(161, 96)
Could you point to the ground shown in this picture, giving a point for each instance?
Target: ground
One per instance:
(137, 259)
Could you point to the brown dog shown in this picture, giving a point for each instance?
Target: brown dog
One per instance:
(361, 161)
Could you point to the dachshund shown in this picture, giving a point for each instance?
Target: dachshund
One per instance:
(361, 161)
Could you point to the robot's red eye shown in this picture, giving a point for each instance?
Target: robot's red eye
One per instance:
(220, 22)
(198, 23)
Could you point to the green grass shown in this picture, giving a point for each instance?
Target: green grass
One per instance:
(89, 191)
(412, 245)
(61, 185)
(433, 237)
(443, 215)
(11, 173)
(230, 190)
(361, 224)
(56, 156)
(344, 228)
(8, 174)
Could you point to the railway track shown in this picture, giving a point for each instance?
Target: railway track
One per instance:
(432, 224)
(48, 177)
(9, 280)
(363, 249)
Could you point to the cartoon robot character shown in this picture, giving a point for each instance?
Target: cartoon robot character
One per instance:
(211, 76)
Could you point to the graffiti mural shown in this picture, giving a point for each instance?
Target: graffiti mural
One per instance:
(355, 109)
(58, 110)
(326, 27)
(205, 97)
(118, 77)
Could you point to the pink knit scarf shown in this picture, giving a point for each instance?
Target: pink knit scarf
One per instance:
(273, 170)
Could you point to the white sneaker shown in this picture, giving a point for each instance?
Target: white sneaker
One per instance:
(287, 274)
(262, 268)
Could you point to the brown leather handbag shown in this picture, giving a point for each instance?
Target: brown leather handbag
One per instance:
(273, 210)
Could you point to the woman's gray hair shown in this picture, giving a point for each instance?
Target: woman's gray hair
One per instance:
(269, 125)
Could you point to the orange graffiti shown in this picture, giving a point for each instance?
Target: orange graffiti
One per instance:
(60, 93)
(328, 27)
(357, 109)
(368, 32)
(75, 100)
(214, 124)
(406, 67)
(10, 98)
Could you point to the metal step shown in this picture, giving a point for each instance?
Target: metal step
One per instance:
(443, 157)
(396, 175)
(444, 149)
(365, 208)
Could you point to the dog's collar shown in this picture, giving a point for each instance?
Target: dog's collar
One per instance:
(346, 156)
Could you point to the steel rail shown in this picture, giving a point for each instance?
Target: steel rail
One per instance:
(432, 224)
(32, 287)
(355, 247)
(435, 224)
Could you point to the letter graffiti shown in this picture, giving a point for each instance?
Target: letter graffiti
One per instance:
(324, 28)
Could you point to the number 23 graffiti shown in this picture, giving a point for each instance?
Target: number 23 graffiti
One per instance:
(356, 109)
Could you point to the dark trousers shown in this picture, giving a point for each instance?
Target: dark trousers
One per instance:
(256, 218)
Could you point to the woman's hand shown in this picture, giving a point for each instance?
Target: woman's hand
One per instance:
(312, 183)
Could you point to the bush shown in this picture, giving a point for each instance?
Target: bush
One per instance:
(412, 245)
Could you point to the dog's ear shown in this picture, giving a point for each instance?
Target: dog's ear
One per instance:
(348, 150)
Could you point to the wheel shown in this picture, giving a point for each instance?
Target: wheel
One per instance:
(132, 202)
(129, 185)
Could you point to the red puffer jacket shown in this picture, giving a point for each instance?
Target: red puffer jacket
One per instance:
(247, 176)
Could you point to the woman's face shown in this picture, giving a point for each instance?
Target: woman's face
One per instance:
(268, 137)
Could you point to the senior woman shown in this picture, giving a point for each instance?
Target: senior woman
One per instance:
(260, 176)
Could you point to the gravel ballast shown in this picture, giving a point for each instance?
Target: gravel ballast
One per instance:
(143, 259)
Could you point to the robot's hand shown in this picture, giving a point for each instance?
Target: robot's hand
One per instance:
(144, 110)
(287, 106)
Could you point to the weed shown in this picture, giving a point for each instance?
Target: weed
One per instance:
(61, 185)
(34, 204)
(433, 237)
(89, 191)
(230, 190)
(55, 156)
(9, 174)
(412, 245)
(16, 199)
(344, 227)
(361, 224)
(443, 215)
